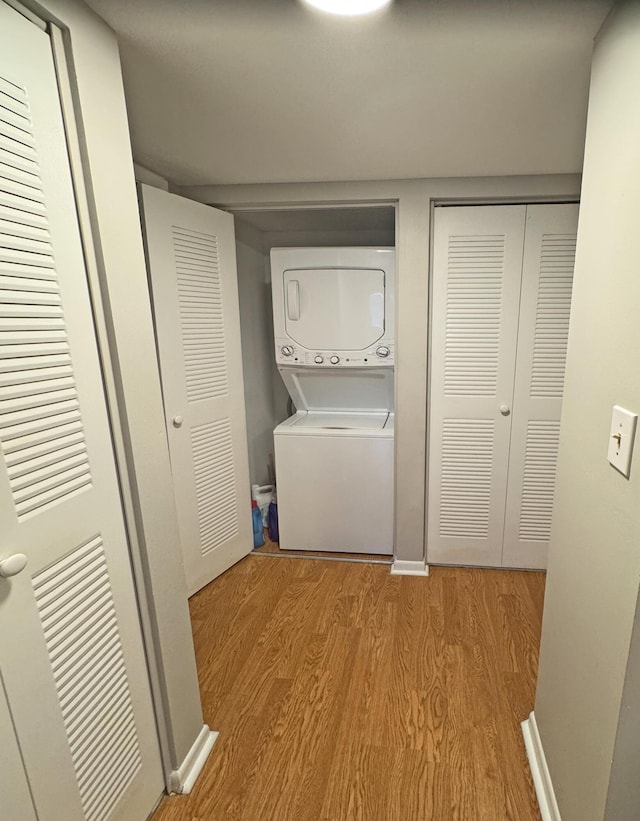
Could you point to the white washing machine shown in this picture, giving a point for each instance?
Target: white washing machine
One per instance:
(334, 345)
(334, 466)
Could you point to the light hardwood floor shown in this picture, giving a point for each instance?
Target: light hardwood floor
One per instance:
(343, 693)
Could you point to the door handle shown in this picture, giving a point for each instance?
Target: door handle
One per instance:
(505, 410)
(13, 565)
(293, 300)
(177, 421)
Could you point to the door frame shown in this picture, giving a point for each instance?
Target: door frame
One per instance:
(88, 237)
(69, 117)
(460, 202)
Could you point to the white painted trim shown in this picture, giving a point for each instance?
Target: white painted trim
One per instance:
(148, 177)
(540, 771)
(183, 779)
(409, 568)
(336, 558)
(28, 13)
(87, 233)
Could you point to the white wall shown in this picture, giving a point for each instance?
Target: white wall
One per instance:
(588, 700)
(327, 239)
(414, 200)
(108, 172)
(254, 295)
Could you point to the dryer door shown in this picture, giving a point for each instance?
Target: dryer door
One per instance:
(340, 309)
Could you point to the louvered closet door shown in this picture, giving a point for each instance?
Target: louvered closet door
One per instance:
(71, 656)
(477, 268)
(192, 264)
(549, 254)
(17, 803)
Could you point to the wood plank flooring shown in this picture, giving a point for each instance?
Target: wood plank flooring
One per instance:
(343, 693)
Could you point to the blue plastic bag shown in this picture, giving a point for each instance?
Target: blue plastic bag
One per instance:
(273, 522)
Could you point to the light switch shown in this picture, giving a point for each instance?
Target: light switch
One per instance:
(623, 430)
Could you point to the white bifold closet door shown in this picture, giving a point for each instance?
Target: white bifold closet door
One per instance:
(17, 803)
(545, 307)
(75, 706)
(500, 310)
(476, 293)
(192, 265)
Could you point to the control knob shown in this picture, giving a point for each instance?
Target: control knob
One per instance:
(334, 359)
(318, 359)
(286, 350)
(383, 351)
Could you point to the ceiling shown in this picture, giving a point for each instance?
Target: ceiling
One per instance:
(244, 91)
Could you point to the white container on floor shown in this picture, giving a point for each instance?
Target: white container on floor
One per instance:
(263, 495)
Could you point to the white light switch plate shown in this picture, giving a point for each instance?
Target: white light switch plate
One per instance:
(623, 430)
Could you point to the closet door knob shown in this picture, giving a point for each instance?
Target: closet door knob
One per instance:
(13, 565)
(505, 410)
(177, 421)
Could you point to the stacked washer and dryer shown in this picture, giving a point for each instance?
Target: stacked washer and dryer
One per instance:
(334, 344)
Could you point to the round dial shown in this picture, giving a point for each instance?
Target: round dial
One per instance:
(334, 359)
(286, 350)
(318, 359)
(383, 351)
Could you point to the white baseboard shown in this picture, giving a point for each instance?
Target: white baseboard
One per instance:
(406, 568)
(539, 770)
(183, 779)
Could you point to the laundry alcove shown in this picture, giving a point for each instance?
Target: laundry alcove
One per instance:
(257, 232)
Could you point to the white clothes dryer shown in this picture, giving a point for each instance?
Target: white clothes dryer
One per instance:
(333, 307)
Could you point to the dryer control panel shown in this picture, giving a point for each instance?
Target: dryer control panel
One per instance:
(376, 356)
